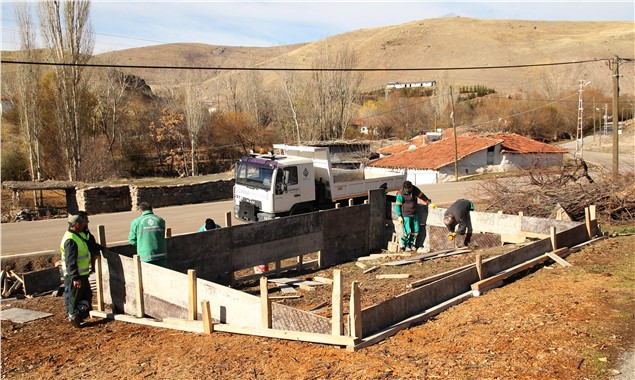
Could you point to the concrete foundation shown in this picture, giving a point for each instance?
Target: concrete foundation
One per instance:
(338, 236)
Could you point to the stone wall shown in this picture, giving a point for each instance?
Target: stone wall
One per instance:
(162, 196)
(104, 199)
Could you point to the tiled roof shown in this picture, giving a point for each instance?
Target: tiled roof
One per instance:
(396, 148)
(514, 143)
(435, 155)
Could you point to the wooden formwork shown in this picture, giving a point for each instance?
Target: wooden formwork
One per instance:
(135, 290)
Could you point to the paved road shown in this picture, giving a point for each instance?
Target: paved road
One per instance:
(41, 237)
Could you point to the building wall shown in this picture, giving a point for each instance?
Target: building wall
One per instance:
(532, 160)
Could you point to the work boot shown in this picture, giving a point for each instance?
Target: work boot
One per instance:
(402, 249)
(75, 320)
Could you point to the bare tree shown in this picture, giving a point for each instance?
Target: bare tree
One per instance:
(110, 96)
(194, 115)
(28, 77)
(69, 39)
(334, 93)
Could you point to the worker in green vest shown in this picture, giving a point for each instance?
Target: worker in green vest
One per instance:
(147, 233)
(76, 259)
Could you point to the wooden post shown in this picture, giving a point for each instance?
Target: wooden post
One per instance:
(208, 324)
(350, 202)
(139, 286)
(365, 201)
(479, 266)
(278, 268)
(192, 312)
(265, 305)
(300, 265)
(355, 318)
(337, 327)
(337, 205)
(592, 212)
(228, 219)
(587, 222)
(168, 232)
(101, 236)
(554, 242)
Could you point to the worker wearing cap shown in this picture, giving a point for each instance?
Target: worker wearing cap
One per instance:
(76, 259)
(406, 209)
(458, 214)
(209, 225)
(147, 233)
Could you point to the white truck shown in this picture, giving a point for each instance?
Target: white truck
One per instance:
(299, 179)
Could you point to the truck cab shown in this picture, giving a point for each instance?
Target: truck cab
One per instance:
(268, 186)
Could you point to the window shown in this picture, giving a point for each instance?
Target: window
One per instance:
(292, 175)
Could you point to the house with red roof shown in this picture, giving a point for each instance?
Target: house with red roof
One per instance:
(474, 154)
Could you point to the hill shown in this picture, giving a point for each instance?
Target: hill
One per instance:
(428, 45)
(433, 48)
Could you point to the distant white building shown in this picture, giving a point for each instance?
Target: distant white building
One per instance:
(429, 83)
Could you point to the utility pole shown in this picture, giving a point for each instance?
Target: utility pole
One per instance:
(456, 145)
(616, 120)
(579, 142)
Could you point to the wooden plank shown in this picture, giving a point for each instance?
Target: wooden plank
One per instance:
(196, 326)
(371, 269)
(323, 280)
(99, 272)
(513, 270)
(286, 289)
(315, 307)
(17, 277)
(265, 305)
(306, 287)
(415, 319)
(208, 324)
(436, 277)
(479, 266)
(389, 276)
(193, 326)
(361, 265)
(355, 317)
(192, 312)
(289, 335)
(285, 297)
(337, 312)
(138, 286)
(564, 263)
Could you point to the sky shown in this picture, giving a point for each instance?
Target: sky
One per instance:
(122, 25)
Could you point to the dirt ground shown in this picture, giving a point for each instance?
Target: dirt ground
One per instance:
(549, 323)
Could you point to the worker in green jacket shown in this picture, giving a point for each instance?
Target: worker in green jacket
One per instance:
(406, 209)
(147, 233)
(77, 248)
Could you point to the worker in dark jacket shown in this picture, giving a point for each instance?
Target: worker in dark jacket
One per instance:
(406, 209)
(76, 247)
(458, 214)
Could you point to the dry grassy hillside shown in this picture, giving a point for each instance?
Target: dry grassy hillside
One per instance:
(190, 54)
(434, 43)
(430, 44)
(466, 42)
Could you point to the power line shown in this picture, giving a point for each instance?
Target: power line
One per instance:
(343, 69)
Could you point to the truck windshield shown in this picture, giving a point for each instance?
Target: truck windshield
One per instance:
(256, 174)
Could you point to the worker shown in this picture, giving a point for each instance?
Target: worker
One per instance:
(93, 247)
(209, 225)
(458, 214)
(76, 260)
(406, 209)
(147, 233)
